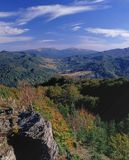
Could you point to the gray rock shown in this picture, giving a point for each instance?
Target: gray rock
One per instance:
(33, 139)
(9, 155)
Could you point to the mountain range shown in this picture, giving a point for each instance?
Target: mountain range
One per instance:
(38, 65)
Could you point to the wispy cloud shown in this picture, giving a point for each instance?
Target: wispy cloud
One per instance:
(100, 44)
(81, 2)
(12, 31)
(120, 38)
(47, 40)
(52, 11)
(14, 39)
(7, 14)
(9, 33)
(76, 28)
(7, 29)
(110, 32)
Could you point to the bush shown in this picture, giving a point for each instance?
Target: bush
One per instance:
(96, 137)
(119, 146)
(55, 93)
(71, 94)
(123, 126)
(87, 102)
(64, 110)
(95, 156)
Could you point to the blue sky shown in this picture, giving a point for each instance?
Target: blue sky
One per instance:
(88, 24)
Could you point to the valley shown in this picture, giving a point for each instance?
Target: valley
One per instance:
(37, 66)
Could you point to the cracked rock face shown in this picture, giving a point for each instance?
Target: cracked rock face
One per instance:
(32, 139)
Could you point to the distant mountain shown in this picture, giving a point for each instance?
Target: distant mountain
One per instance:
(115, 52)
(55, 53)
(108, 64)
(39, 65)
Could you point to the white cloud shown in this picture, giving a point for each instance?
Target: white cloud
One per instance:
(52, 11)
(77, 24)
(120, 39)
(47, 40)
(7, 14)
(76, 28)
(14, 39)
(100, 44)
(98, 1)
(84, 42)
(9, 33)
(110, 32)
(81, 2)
(9, 29)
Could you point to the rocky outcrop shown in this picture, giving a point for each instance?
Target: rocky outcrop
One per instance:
(29, 137)
(9, 155)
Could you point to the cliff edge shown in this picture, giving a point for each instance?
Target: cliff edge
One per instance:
(26, 136)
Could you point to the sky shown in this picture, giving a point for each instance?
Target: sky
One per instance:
(87, 24)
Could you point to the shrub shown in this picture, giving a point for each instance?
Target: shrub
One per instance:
(123, 126)
(55, 93)
(119, 146)
(87, 102)
(96, 137)
(64, 110)
(61, 131)
(95, 155)
(71, 93)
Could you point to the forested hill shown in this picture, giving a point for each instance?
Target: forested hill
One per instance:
(15, 66)
(38, 66)
(90, 118)
(108, 98)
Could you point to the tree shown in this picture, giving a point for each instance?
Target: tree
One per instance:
(55, 93)
(26, 94)
(71, 94)
(87, 102)
(119, 146)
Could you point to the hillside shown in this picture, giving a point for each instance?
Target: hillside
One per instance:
(55, 53)
(89, 118)
(108, 64)
(102, 66)
(16, 66)
(38, 66)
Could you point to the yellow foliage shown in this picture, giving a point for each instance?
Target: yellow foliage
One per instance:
(82, 119)
(120, 147)
(60, 128)
(43, 105)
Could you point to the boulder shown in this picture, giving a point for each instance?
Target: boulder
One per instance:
(29, 137)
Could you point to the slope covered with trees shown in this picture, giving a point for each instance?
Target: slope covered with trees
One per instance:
(89, 117)
(16, 66)
(37, 66)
